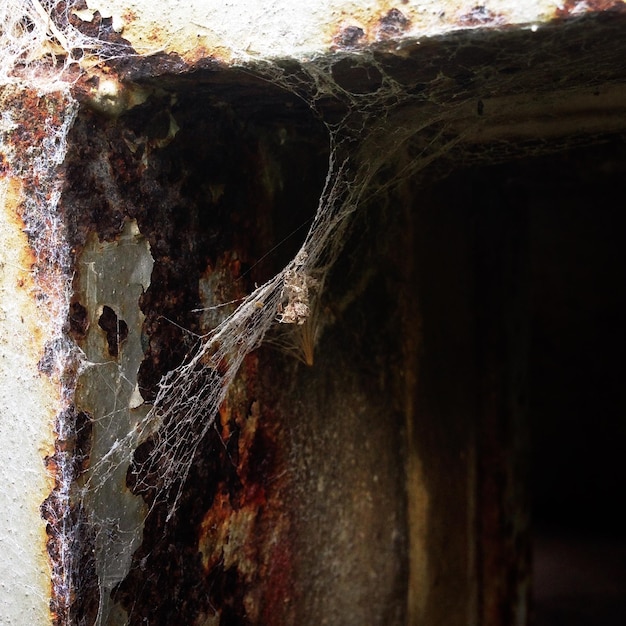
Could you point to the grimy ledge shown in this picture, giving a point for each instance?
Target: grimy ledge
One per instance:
(268, 272)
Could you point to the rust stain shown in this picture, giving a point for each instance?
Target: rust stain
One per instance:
(226, 549)
(480, 15)
(191, 48)
(576, 8)
(36, 120)
(344, 29)
(241, 536)
(15, 199)
(5, 167)
(69, 459)
(78, 322)
(364, 27)
(34, 117)
(392, 25)
(234, 558)
(349, 36)
(25, 258)
(98, 27)
(392, 20)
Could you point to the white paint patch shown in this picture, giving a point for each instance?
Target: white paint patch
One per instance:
(28, 405)
(246, 29)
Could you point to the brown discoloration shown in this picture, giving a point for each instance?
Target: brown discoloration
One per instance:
(99, 27)
(392, 25)
(480, 15)
(71, 553)
(349, 36)
(244, 532)
(208, 225)
(188, 198)
(36, 123)
(26, 257)
(226, 547)
(576, 8)
(388, 23)
(4, 165)
(78, 321)
(32, 138)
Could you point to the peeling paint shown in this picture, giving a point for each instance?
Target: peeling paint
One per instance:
(28, 407)
(235, 31)
(36, 368)
(161, 205)
(112, 276)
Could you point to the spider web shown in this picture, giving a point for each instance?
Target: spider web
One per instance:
(34, 37)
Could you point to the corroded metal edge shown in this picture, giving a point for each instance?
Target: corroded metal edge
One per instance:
(251, 30)
(34, 140)
(38, 371)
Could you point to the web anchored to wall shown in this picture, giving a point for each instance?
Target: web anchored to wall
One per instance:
(86, 508)
(285, 310)
(385, 124)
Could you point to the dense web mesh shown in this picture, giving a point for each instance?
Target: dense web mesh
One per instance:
(41, 45)
(39, 41)
(285, 310)
(377, 138)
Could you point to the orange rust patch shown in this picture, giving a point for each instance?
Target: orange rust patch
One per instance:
(129, 16)
(244, 535)
(232, 520)
(26, 257)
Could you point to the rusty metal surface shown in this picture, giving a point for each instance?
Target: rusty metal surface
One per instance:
(248, 30)
(238, 548)
(207, 159)
(32, 299)
(497, 90)
(227, 549)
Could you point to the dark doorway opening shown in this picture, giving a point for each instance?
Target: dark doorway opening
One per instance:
(577, 401)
